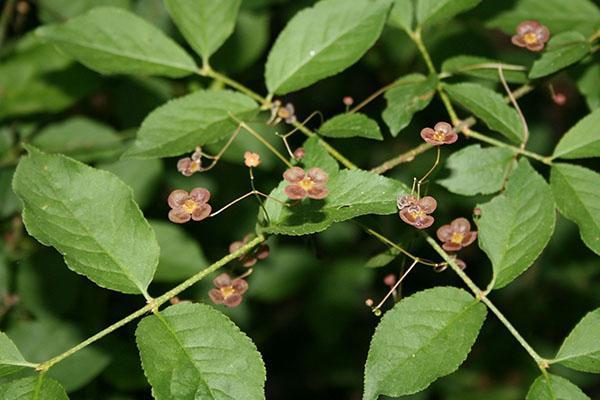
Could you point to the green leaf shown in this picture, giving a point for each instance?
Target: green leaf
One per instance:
(588, 84)
(43, 339)
(322, 41)
(197, 119)
(80, 138)
(409, 94)
(557, 15)
(557, 389)
(430, 12)
(205, 24)
(515, 226)
(582, 140)
(563, 50)
(33, 388)
(317, 156)
(490, 107)
(424, 337)
(351, 194)
(581, 349)
(476, 170)
(382, 259)
(11, 359)
(112, 41)
(351, 125)
(192, 351)
(90, 217)
(402, 15)
(473, 66)
(61, 10)
(142, 175)
(577, 190)
(180, 255)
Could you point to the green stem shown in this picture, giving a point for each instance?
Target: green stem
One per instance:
(405, 157)
(153, 304)
(207, 71)
(416, 37)
(330, 149)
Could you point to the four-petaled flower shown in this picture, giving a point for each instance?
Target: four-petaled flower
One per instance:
(417, 213)
(531, 35)
(442, 133)
(186, 206)
(190, 165)
(456, 235)
(251, 159)
(278, 113)
(250, 258)
(311, 184)
(228, 291)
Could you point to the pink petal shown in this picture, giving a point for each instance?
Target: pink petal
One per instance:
(240, 285)
(216, 296)
(263, 252)
(294, 175)
(248, 261)
(426, 222)
(202, 212)
(542, 33)
(443, 127)
(407, 216)
(233, 247)
(222, 280)
(233, 301)
(428, 204)
(518, 41)
(469, 238)
(183, 166)
(318, 175)
(405, 200)
(451, 138)
(536, 46)
(177, 197)
(318, 192)
(461, 225)
(444, 233)
(200, 195)
(295, 192)
(449, 246)
(179, 216)
(527, 26)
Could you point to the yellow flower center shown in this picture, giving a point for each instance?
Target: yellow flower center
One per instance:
(189, 206)
(439, 136)
(530, 38)
(283, 113)
(457, 237)
(306, 184)
(418, 214)
(227, 291)
(194, 166)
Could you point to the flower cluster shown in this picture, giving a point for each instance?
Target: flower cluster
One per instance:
(251, 258)
(532, 35)
(185, 206)
(228, 291)
(415, 211)
(311, 184)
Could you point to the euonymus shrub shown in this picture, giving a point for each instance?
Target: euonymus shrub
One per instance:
(81, 186)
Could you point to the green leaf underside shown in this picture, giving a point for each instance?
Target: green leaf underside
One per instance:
(11, 359)
(351, 125)
(581, 349)
(515, 226)
(582, 140)
(490, 107)
(192, 351)
(409, 94)
(577, 190)
(33, 388)
(563, 50)
(557, 15)
(589, 85)
(112, 41)
(424, 337)
(352, 193)
(402, 15)
(205, 24)
(557, 389)
(472, 66)
(197, 119)
(90, 217)
(476, 170)
(322, 41)
(434, 11)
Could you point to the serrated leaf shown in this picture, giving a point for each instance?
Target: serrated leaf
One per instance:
(473, 66)
(61, 10)
(351, 125)
(90, 217)
(402, 15)
(557, 388)
(581, 349)
(557, 15)
(180, 255)
(33, 388)
(563, 50)
(430, 12)
(205, 24)
(113, 41)
(476, 170)
(588, 84)
(322, 41)
(352, 193)
(192, 351)
(577, 190)
(143, 176)
(582, 140)
(490, 107)
(424, 337)
(11, 359)
(515, 226)
(410, 94)
(197, 119)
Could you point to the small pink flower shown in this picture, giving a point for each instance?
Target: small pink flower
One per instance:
(461, 264)
(190, 165)
(456, 235)
(227, 291)
(348, 101)
(531, 35)
(417, 214)
(442, 133)
(251, 258)
(186, 206)
(311, 184)
(251, 159)
(299, 153)
(405, 200)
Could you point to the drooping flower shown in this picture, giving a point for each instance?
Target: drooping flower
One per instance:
(190, 165)
(186, 206)
(442, 133)
(228, 291)
(251, 159)
(417, 214)
(249, 259)
(532, 35)
(311, 184)
(279, 112)
(461, 264)
(456, 235)
(299, 153)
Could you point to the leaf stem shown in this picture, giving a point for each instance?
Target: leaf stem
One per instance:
(208, 71)
(405, 157)
(261, 139)
(154, 303)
